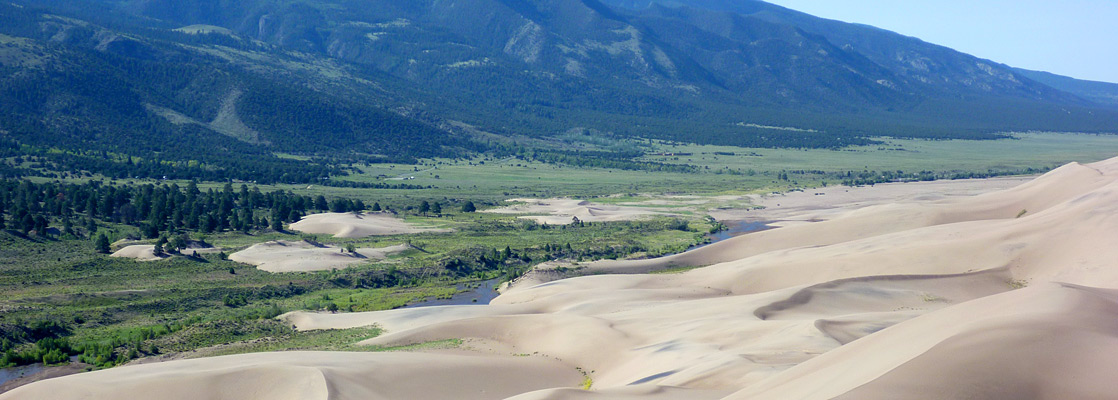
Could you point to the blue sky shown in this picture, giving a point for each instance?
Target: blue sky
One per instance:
(1077, 38)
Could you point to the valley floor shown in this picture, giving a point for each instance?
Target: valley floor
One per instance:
(898, 294)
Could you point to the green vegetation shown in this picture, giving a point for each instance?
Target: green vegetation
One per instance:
(63, 296)
(587, 380)
(488, 181)
(675, 270)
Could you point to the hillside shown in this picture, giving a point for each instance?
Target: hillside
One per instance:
(1099, 92)
(103, 85)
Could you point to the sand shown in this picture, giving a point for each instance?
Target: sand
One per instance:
(139, 252)
(313, 375)
(945, 297)
(300, 256)
(146, 252)
(351, 225)
(567, 211)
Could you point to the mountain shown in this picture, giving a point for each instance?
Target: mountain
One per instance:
(1098, 92)
(108, 82)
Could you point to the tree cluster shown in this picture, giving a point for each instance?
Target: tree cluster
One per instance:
(156, 209)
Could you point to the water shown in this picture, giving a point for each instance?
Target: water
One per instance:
(7, 374)
(734, 229)
(485, 292)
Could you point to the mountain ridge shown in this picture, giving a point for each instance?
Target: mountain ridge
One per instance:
(344, 79)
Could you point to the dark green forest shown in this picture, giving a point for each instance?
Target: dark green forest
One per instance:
(158, 210)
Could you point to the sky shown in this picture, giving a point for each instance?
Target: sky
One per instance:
(1076, 38)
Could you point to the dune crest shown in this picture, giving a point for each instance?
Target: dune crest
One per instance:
(1009, 294)
(357, 225)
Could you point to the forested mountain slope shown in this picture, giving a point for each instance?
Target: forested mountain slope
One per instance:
(217, 88)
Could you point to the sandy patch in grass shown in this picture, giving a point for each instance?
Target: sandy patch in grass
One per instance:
(566, 211)
(146, 252)
(354, 225)
(300, 256)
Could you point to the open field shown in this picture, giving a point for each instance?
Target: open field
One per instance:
(490, 181)
(1028, 150)
(513, 177)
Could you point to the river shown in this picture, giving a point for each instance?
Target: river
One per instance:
(470, 293)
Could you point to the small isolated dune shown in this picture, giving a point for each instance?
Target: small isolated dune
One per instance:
(146, 252)
(1011, 294)
(567, 211)
(300, 256)
(139, 252)
(355, 225)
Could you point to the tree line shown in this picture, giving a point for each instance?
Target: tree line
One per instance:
(32, 208)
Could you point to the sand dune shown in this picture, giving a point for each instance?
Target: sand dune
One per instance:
(314, 375)
(139, 252)
(566, 211)
(828, 228)
(300, 256)
(350, 225)
(1052, 341)
(146, 252)
(1008, 294)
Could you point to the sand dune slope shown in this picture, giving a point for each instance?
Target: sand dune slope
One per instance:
(1051, 341)
(313, 376)
(351, 225)
(139, 252)
(300, 256)
(1054, 188)
(952, 298)
(146, 252)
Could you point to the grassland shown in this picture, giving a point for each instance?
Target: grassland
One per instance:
(1026, 150)
(748, 170)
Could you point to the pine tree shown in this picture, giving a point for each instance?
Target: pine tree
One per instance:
(178, 242)
(424, 207)
(437, 208)
(376, 206)
(158, 250)
(102, 244)
(27, 224)
(277, 223)
(469, 207)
